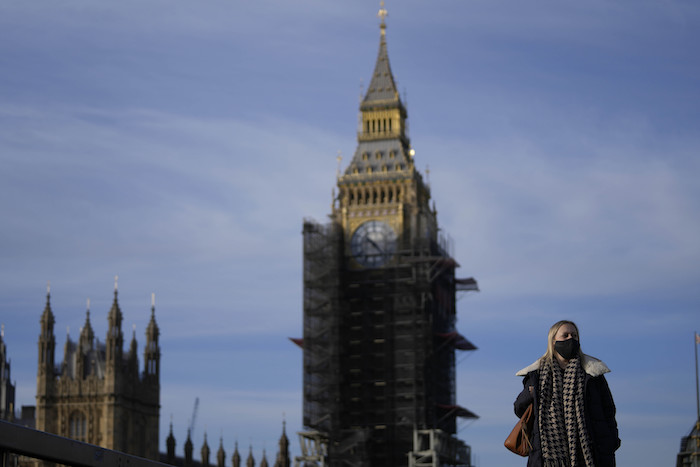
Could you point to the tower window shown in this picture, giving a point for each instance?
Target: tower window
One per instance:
(365, 156)
(392, 154)
(77, 426)
(378, 155)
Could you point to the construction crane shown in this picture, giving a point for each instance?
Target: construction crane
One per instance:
(194, 417)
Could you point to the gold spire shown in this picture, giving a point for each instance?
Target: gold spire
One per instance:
(382, 14)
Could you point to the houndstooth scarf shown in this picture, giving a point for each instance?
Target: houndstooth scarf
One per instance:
(562, 424)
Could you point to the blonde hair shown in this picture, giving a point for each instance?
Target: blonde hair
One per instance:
(549, 354)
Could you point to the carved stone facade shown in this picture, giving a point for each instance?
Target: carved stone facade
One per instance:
(7, 389)
(98, 394)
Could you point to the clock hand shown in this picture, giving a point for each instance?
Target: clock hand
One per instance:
(379, 250)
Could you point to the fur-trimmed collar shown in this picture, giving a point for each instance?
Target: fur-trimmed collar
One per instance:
(591, 365)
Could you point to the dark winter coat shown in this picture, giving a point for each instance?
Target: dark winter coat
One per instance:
(599, 410)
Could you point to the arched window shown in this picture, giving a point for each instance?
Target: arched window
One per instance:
(77, 426)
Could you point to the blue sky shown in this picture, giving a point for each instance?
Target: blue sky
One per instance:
(180, 145)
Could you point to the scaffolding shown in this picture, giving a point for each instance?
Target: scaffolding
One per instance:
(321, 281)
(435, 448)
(379, 351)
(314, 449)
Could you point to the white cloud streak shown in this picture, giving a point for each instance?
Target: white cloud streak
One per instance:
(180, 145)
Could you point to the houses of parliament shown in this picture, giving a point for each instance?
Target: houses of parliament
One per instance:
(100, 395)
(379, 328)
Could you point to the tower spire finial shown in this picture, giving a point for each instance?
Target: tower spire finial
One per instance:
(382, 14)
(48, 294)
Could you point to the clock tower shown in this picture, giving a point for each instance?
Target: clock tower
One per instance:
(379, 306)
(382, 205)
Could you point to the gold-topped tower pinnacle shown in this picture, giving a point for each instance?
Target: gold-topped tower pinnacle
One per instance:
(382, 14)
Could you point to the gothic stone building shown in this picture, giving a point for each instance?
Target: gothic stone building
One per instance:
(7, 389)
(98, 394)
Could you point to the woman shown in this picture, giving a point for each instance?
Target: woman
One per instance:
(574, 413)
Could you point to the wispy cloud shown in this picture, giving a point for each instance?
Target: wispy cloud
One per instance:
(180, 145)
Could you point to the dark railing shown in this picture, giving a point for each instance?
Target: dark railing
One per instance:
(20, 440)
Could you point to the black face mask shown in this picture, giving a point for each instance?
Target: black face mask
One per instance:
(567, 349)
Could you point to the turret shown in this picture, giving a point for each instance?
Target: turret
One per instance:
(282, 459)
(115, 338)
(133, 357)
(250, 462)
(151, 355)
(45, 414)
(85, 346)
(188, 450)
(87, 335)
(47, 347)
(221, 454)
(47, 340)
(170, 445)
(7, 389)
(236, 458)
(205, 452)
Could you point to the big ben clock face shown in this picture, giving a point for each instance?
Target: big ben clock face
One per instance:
(373, 243)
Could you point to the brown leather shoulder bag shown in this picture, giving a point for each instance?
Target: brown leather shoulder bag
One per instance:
(518, 441)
